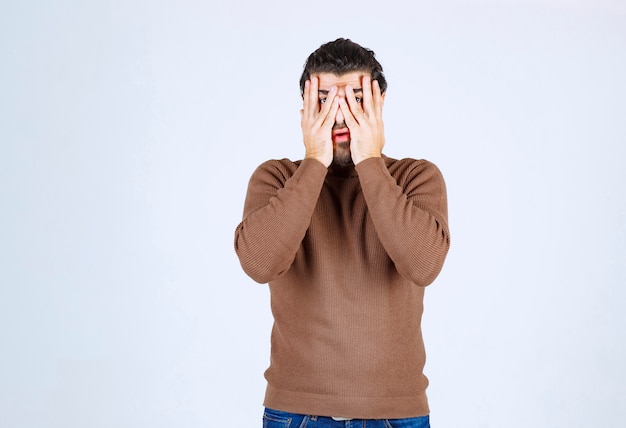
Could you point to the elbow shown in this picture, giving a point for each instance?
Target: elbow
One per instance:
(262, 267)
(257, 262)
(427, 274)
(255, 266)
(256, 272)
(423, 275)
(425, 268)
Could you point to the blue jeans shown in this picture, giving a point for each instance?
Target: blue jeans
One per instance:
(278, 419)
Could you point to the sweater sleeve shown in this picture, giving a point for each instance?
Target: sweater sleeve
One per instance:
(277, 213)
(410, 215)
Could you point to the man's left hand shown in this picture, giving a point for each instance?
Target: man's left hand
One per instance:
(365, 120)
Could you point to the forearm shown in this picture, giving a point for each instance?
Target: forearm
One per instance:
(276, 217)
(410, 221)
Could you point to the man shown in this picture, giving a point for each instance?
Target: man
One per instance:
(347, 239)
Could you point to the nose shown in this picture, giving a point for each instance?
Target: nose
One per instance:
(341, 93)
(339, 116)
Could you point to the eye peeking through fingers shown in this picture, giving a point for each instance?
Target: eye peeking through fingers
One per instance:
(358, 100)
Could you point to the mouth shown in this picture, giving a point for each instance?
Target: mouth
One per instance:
(341, 135)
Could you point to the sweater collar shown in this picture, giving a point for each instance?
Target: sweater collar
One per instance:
(342, 171)
(348, 170)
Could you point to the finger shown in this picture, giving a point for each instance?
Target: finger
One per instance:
(309, 112)
(306, 99)
(355, 108)
(367, 95)
(324, 109)
(329, 100)
(314, 96)
(329, 119)
(378, 99)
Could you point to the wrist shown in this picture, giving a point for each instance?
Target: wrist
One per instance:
(360, 158)
(320, 159)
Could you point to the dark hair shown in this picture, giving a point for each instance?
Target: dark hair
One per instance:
(340, 57)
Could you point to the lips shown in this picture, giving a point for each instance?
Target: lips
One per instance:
(341, 135)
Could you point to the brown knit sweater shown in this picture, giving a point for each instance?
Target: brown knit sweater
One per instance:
(347, 254)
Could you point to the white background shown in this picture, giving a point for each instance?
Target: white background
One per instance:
(129, 130)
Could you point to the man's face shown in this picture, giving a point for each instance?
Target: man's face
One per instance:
(341, 133)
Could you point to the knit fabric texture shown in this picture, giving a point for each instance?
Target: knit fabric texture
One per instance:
(347, 253)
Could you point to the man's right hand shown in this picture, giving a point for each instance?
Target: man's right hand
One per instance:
(317, 123)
